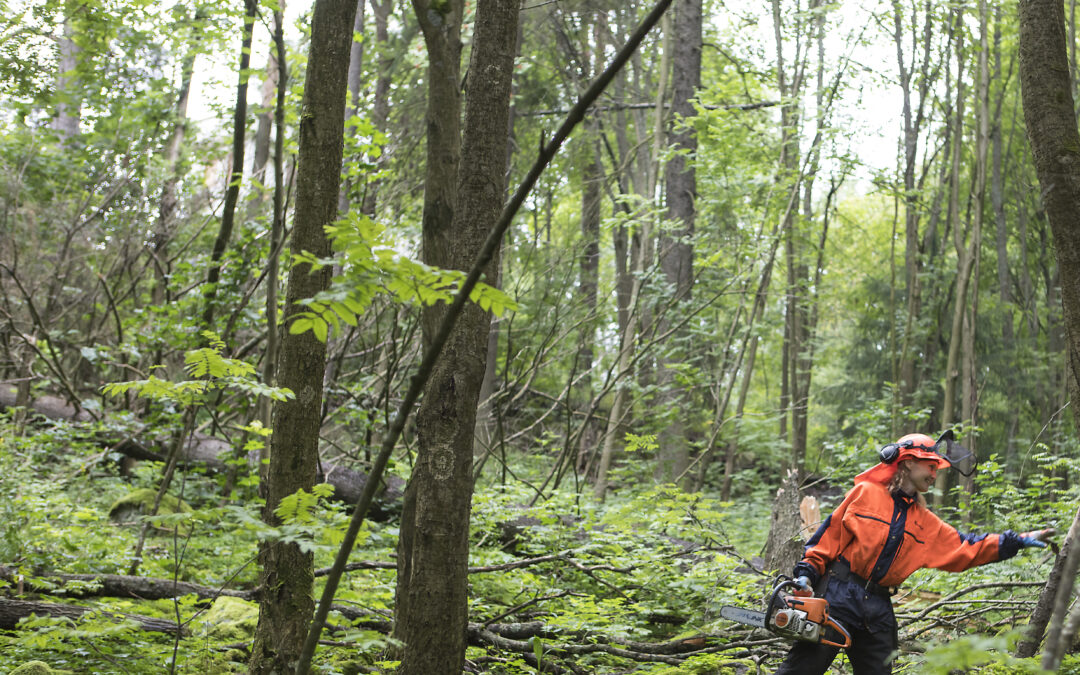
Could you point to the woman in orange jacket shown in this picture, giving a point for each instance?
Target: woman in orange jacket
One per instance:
(871, 543)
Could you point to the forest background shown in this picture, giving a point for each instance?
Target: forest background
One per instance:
(784, 234)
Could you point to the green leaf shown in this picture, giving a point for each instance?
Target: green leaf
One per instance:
(538, 649)
(344, 313)
(300, 324)
(319, 329)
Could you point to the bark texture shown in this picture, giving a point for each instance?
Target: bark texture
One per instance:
(441, 27)
(433, 549)
(167, 206)
(1055, 146)
(676, 250)
(784, 546)
(287, 572)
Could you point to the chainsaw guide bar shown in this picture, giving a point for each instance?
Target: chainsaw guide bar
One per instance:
(746, 616)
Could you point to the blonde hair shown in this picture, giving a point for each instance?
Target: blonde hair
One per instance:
(902, 471)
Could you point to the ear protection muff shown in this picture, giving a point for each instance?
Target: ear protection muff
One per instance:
(890, 451)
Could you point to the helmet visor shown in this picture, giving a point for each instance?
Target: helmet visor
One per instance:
(959, 457)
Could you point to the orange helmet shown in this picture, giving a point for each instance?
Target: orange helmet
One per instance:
(911, 446)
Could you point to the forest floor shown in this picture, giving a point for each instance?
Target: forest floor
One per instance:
(633, 585)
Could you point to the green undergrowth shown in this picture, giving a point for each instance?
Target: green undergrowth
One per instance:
(650, 565)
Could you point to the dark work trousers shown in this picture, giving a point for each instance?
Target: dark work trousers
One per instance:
(870, 621)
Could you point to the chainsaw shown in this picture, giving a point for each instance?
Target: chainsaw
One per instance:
(795, 616)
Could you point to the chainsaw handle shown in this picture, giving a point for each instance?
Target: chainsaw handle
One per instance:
(839, 629)
(772, 606)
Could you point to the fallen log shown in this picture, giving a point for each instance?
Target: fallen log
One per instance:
(14, 611)
(115, 586)
(213, 453)
(510, 636)
(49, 407)
(149, 588)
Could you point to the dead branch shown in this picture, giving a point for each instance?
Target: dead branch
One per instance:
(520, 563)
(956, 621)
(976, 587)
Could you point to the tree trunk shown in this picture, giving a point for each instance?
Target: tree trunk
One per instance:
(676, 250)
(646, 370)
(167, 205)
(1005, 289)
(353, 84)
(1053, 601)
(433, 549)
(732, 448)
(746, 366)
(964, 263)
(1055, 145)
(232, 190)
(287, 573)
(969, 385)
(380, 107)
(790, 84)
(784, 545)
(589, 274)
(441, 27)
(805, 289)
(263, 142)
(619, 404)
(488, 414)
(789, 165)
(68, 107)
(905, 359)
(277, 231)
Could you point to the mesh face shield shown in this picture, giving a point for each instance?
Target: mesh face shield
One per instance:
(958, 457)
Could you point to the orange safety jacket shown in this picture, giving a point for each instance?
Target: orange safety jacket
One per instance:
(861, 527)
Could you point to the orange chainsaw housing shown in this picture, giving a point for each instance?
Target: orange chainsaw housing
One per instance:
(789, 615)
(817, 611)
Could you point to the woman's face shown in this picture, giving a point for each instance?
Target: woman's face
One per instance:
(922, 473)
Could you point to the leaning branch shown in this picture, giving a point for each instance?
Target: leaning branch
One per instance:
(491, 244)
(649, 106)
